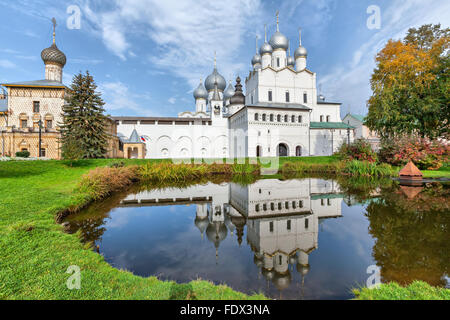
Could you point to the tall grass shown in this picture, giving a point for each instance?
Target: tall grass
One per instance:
(369, 169)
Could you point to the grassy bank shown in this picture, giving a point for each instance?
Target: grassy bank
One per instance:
(35, 253)
(416, 291)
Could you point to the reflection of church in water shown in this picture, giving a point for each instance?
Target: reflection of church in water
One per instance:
(282, 218)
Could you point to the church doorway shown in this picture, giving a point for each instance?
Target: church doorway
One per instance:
(283, 150)
(298, 151)
(258, 151)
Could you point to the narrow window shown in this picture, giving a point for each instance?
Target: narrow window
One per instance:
(264, 117)
(265, 207)
(257, 208)
(279, 118)
(270, 95)
(281, 260)
(271, 227)
(321, 118)
(23, 124)
(272, 118)
(256, 117)
(301, 204)
(305, 98)
(329, 202)
(286, 118)
(252, 99)
(294, 205)
(286, 205)
(322, 202)
(36, 106)
(300, 119)
(287, 97)
(278, 62)
(289, 225)
(43, 153)
(328, 118)
(49, 124)
(272, 206)
(280, 206)
(293, 119)
(306, 224)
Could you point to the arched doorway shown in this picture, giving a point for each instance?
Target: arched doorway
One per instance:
(283, 150)
(258, 151)
(298, 151)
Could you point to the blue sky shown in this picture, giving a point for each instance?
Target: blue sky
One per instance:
(147, 56)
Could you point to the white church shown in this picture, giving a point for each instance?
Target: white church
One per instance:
(282, 114)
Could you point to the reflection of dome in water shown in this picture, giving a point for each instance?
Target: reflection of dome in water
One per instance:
(239, 222)
(258, 261)
(292, 260)
(216, 233)
(268, 274)
(282, 281)
(229, 224)
(302, 269)
(201, 224)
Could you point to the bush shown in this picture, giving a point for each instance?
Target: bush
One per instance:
(358, 150)
(23, 154)
(426, 154)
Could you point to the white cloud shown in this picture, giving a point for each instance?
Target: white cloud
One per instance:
(172, 100)
(350, 83)
(7, 64)
(186, 33)
(120, 99)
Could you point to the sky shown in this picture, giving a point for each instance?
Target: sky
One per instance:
(147, 56)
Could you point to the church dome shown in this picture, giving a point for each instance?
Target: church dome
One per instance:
(201, 224)
(282, 281)
(229, 92)
(213, 78)
(265, 49)
(238, 97)
(200, 92)
(256, 59)
(301, 52)
(279, 41)
(290, 61)
(216, 232)
(53, 55)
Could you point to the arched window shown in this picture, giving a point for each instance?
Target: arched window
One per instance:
(321, 118)
(298, 151)
(286, 118)
(300, 119)
(328, 118)
(288, 98)
(272, 118)
(264, 117)
(270, 95)
(279, 118)
(305, 98)
(256, 117)
(293, 119)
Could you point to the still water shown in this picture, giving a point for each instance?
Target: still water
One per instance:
(294, 239)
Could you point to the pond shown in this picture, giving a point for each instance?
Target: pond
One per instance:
(294, 239)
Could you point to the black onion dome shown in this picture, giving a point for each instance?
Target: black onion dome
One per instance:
(238, 97)
(53, 55)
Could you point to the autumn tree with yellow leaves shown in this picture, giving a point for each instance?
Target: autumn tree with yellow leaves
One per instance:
(411, 86)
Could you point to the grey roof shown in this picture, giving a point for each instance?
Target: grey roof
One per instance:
(157, 119)
(280, 106)
(134, 137)
(290, 61)
(3, 105)
(256, 59)
(326, 102)
(229, 92)
(266, 48)
(36, 83)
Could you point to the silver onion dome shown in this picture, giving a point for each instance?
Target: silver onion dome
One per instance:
(265, 49)
(201, 92)
(229, 92)
(301, 52)
(279, 41)
(53, 55)
(256, 59)
(213, 78)
(290, 61)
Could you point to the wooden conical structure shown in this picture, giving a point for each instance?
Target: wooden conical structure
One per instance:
(410, 172)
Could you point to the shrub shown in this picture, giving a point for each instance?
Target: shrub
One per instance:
(23, 154)
(426, 154)
(366, 168)
(101, 182)
(360, 150)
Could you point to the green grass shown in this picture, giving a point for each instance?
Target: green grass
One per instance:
(35, 252)
(443, 172)
(418, 290)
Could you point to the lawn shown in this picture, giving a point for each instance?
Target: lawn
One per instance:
(35, 253)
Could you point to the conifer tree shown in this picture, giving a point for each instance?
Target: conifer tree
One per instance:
(84, 120)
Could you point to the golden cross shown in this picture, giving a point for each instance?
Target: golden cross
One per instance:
(54, 29)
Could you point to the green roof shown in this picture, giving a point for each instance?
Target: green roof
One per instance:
(330, 125)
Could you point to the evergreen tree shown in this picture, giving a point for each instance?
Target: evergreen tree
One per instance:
(84, 120)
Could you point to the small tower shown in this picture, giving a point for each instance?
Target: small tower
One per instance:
(201, 98)
(266, 51)
(237, 102)
(54, 59)
(301, 54)
(290, 59)
(216, 103)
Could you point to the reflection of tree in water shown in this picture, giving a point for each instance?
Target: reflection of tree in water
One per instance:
(92, 229)
(412, 234)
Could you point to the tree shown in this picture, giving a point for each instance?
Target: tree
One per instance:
(84, 128)
(411, 85)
